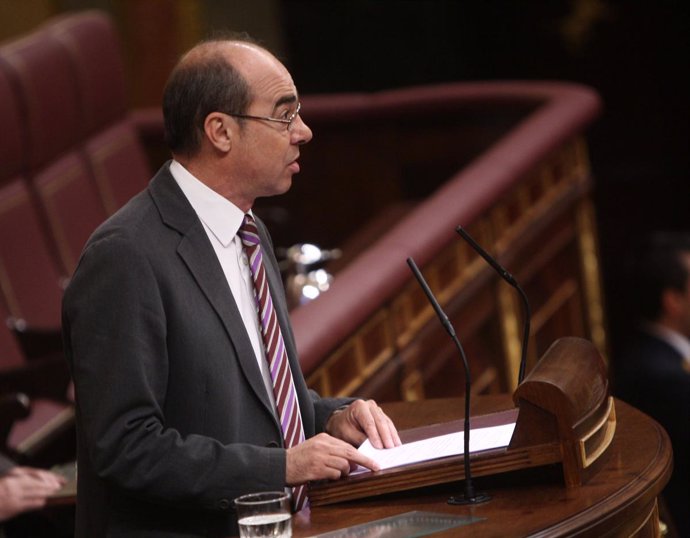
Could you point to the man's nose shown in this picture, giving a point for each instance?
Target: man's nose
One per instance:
(300, 133)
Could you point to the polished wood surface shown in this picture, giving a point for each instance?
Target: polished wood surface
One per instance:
(566, 398)
(436, 471)
(617, 498)
(565, 415)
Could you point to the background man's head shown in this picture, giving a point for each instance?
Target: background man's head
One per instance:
(660, 283)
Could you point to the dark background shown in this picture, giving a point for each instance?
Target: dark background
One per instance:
(634, 53)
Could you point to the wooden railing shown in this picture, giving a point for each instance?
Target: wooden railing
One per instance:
(522, 190)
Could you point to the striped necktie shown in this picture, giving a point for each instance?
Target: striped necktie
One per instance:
(276, 355)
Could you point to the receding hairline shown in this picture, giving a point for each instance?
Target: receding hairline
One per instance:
(218, 48)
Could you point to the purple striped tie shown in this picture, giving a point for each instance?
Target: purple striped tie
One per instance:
(283, 384)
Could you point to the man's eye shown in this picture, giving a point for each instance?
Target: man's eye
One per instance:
(285, 115)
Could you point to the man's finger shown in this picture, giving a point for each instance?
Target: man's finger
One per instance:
(375, 424)
(389, 432)
(354, 456)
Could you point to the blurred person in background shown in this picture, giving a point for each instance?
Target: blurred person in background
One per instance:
(653, 371)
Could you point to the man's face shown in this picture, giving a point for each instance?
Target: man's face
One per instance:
(265, 153)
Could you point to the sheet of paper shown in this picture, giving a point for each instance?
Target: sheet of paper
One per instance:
(437, 447)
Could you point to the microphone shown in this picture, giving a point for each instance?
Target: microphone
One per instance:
(510, 279)
(470, 496)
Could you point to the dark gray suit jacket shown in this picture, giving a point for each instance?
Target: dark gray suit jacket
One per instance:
(173, 420)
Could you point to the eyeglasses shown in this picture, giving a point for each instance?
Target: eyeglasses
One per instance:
(287, 121)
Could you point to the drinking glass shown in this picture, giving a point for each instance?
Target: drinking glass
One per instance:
(264, 515)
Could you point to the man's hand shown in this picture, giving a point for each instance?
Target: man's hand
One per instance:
(323, 457)
(25, 488)
(361, 420)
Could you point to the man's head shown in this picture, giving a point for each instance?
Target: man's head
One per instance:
(202, 82)
(226, 108)
(661, 280)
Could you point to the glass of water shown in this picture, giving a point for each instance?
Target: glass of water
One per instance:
(264, 515)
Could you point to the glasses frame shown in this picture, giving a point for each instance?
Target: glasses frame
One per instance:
(286, 121)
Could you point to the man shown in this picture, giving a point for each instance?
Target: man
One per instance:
(653, 373)
(177, 412)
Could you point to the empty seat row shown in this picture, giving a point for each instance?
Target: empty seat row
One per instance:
(70, 155)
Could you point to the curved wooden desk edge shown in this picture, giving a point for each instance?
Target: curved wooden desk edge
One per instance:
(634, 505)
(617, 499)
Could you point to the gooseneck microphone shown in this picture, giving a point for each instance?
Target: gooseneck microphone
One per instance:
(470, 496)
(510, 279)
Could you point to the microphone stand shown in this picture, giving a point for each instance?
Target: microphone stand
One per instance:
(510, 279)
(470, 496)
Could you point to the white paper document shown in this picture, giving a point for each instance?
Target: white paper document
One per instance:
(437, 447)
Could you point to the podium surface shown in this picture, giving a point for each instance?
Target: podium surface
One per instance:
(618, 497)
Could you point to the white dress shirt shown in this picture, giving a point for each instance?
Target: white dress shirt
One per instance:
(222, 219)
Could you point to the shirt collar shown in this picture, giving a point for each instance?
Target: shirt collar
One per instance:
(673, 338)
(220, 215)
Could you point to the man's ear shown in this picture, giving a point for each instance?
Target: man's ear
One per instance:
(218, 131)
(672, 301)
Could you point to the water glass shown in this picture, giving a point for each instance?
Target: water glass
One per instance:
(264, 515)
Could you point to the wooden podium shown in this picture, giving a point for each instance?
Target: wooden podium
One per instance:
(621, 464)
(565, 415)
(579, 463)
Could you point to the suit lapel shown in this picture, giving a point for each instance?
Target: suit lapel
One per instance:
(198, 255)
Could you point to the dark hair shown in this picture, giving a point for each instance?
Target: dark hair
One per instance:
(196, 88)
(658, 265)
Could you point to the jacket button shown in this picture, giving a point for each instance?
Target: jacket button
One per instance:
(224, 504)
(272, 444)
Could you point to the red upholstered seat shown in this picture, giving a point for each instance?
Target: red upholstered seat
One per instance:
(30, 283)
(58, 173)
(111, 143)
(13, 147)
(73, 208)
(118, 163)
(82, 154)
(29, 279)
(40, 73)
(93, 49)
(34, 410)
(70, 155)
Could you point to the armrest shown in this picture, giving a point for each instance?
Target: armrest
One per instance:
(36, 342)
(13, 406)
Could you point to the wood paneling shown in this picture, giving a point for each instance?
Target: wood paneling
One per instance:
(542, 232)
